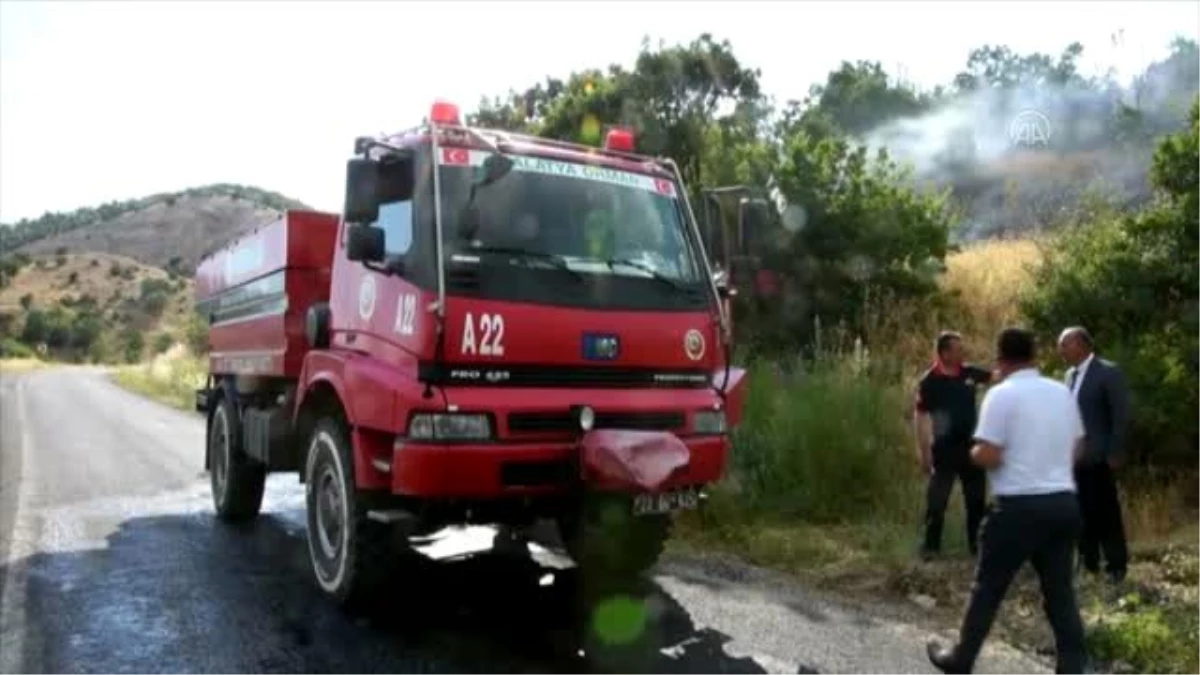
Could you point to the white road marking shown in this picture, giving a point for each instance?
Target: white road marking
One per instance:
(23, 544)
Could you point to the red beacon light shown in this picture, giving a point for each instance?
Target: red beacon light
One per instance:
(619, 140)
(444, 112)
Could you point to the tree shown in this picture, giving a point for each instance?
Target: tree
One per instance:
(670, 99)
(854, 99)
(867, 234)
(35, 329)
(1133, 280)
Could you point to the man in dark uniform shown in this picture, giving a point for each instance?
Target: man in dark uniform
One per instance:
(944, 421)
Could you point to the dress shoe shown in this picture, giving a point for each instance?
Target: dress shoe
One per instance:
(943, 658)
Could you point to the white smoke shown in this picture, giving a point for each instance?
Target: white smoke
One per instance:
(1018, 157)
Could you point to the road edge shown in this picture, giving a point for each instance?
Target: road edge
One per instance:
(13, 593)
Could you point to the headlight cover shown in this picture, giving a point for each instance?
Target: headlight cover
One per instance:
(708, 422)
(449, 427)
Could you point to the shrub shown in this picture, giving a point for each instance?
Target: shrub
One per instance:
(12, 349)
(162, 342)
(1133, 281)
(824, 441)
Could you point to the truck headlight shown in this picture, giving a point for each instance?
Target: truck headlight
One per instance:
(708, 422)
(449, 427)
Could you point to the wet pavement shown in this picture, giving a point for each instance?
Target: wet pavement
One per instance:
(111, 560)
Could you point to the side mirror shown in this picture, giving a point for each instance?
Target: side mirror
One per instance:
(370, 183)
(362, 192)
(365, 243)
(721, 281)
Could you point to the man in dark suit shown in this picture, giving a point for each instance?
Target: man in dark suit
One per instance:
(1103, 398)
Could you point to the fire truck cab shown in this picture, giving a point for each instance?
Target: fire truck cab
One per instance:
(496, 329)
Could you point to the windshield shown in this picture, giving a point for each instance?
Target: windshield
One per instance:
(591, 222)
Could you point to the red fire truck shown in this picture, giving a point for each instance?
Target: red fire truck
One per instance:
(496, 329)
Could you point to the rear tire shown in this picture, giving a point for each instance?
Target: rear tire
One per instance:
(237, 480)
(607, 541)
(349, 552)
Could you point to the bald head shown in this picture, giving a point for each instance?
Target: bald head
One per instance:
(1075, 344)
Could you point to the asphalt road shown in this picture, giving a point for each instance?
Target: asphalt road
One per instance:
(111, 561)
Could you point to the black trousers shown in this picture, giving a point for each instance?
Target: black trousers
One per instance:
(937, 495)
(1103, 528)
(1041, 529)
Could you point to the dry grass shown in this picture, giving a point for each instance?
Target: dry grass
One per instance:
(20, 365)
(171, 378)
(989, 279)
(990, 276)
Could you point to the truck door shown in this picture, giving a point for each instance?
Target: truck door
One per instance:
(734, 239)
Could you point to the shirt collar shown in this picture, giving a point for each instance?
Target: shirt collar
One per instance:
(1031, 371)
(1083, 365)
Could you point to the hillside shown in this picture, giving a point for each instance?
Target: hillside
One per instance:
(170, 230)
(91, 306)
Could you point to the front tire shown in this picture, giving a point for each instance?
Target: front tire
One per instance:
(237, 480)
(348, 551)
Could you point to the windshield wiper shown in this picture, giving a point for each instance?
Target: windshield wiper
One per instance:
(526, 254)
(639, 265)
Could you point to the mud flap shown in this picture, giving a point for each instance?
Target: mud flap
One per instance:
(630, 461)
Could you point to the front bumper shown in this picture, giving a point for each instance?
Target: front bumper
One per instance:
(501, 469)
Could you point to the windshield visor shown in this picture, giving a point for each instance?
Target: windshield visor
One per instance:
(567, 234)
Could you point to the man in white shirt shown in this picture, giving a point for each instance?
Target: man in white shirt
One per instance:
(1028, 439)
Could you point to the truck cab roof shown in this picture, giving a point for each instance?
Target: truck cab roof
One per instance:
(616, 152)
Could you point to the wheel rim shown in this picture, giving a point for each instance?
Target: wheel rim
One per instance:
(220, 453)
(330, 513)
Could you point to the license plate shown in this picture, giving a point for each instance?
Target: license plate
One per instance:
(665, 502)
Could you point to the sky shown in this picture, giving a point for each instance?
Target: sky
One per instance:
(103, 101)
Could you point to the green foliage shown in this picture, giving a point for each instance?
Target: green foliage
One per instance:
(13, 349)
(63, 330)
(162, 342)
(27, 231)
(866, 234)
(10, 266)
(823, 442)
(195, 333)
(855, 98)
(131, 345)
(1133, 279)
(1148, 638)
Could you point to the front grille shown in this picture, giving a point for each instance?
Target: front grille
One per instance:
(561, 422)
(575, 376)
